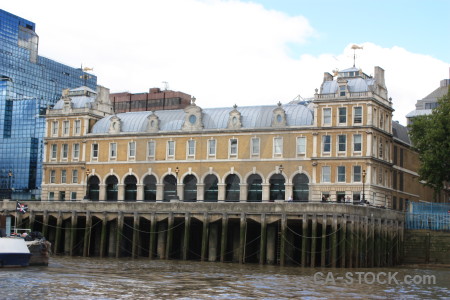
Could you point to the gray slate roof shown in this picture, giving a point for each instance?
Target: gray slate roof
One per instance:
(253, 117)
(400, 132)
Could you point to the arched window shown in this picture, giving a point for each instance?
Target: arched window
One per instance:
(130, 188)
(277, 187)
(149, 188)
(93, 188)
(301, 187)
(211, 189)
(232, 191)
(111, 188)
(190, 188)
(170, 188)
(254, 192)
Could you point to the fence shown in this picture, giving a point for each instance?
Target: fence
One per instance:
(432, 216)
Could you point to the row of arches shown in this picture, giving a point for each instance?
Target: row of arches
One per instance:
(189, 188)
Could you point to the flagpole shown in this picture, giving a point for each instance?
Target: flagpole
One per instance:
(15, 221)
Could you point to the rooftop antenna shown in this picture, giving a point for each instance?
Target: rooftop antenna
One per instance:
(166, 85)
(355, 47)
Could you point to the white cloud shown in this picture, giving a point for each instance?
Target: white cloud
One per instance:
(222, 52)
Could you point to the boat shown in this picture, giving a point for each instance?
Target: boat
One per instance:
(14, 252)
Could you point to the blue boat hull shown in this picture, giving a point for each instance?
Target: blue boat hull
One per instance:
(14, 259)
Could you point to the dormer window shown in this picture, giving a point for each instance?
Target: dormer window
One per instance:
(342, 90)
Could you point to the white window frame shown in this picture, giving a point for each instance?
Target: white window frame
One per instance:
(77, 127)
(64, 151)
(357, 118)
(132, 150)
(255, 146)
(66, 127)
(170, 149)
(52, 176)
(63, 176)
(74, 176)
(76, 151)
(301, 145)
(327, 116)
(277, 147)
(55, 128)
(233, 147)
(73, 196)
(339, 143)
(357, 173)
(54, 152)
(340, 109)
(325, 143)
(51, 196)
(95, 151)
(326, 174)
(113, 150)
(190, 148)
(339, 173)
(151, 149)
(356, 143)
(212, 150)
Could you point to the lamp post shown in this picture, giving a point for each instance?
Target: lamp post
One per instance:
(86, 197)
(176, 182)
(363, 180)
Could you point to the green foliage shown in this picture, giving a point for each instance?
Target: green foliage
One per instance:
(430, 136)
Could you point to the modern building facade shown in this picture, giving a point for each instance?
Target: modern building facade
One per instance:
(155, 99)
(29, 85)
(343, 146)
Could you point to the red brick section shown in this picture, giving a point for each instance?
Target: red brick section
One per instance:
(155, 99)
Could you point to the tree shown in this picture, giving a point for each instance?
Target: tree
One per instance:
(430, 136)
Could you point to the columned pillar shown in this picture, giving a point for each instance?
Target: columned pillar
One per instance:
(120, 192)
(102, 192)
(343, 240)
(334, 246)
(304, 240)
(271, 243)
(265, 192)
(212, 244)
(283, 238)
(111, 252)
(162, 239)
(243, 188)
(180, 191)
(288, 191)
(159, 192)
(200, 192)
(221, 192)
(140, 192)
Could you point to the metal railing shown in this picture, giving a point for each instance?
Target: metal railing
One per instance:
(431, 216)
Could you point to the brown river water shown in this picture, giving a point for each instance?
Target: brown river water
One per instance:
(94, 278)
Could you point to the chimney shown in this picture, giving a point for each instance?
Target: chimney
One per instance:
(379, 76)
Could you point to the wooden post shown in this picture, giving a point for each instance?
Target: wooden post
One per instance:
(103, 235)
(304, 239)
(135, 246)
(323, 250)
(152, 242)
(169, 235)
(87, 234)
(242, 238)
(283, 238)
(119, 233)
(58, 233)
(343, 240)
(334, 242)
(313, 240)
(205, 234)
(223, 237)
(262, 246)
(187, 228)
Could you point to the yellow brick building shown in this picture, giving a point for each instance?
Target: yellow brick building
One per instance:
(340, 146)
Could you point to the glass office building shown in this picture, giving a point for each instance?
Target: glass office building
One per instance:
(29, 84)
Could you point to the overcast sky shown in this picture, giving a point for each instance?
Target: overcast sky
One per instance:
(246, 52)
